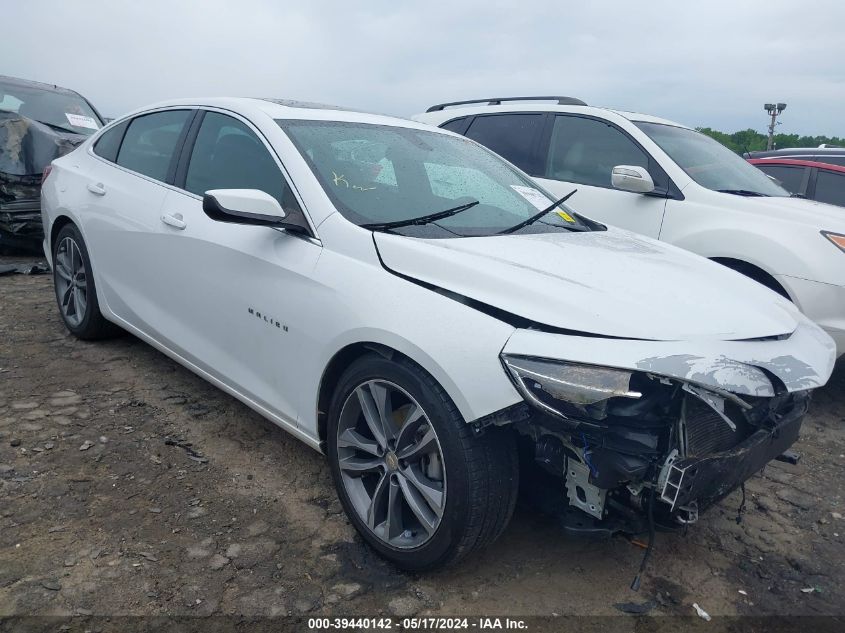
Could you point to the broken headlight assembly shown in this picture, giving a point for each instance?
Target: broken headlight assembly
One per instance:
(570, 390)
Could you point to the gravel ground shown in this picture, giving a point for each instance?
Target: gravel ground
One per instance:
(130, 486)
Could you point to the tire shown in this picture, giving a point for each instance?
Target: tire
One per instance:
(477, 475)
(76, 293)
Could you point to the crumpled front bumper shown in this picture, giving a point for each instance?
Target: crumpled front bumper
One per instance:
(703, 481)
(21, 226)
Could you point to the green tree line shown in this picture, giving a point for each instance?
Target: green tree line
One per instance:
(752, 140)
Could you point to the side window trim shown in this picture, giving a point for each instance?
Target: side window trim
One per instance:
(180, 145)
(812, 177)
(805, 181)
(665, 187)
(181, 168)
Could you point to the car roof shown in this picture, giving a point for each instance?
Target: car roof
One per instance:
(289, 109)
(491, 106)
(28, 83)
(775, 160)
(798, 151)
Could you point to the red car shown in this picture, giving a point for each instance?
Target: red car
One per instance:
(811, 179)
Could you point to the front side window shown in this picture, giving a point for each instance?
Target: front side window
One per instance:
(377, 174)
(585, 151)
(830, 188)
(60, 110)
(150, 142)
(790, 178)
(512, 136)
(709, 163)
(228, 155)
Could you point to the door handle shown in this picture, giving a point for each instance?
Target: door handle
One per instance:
(97, 189)
(175, 220)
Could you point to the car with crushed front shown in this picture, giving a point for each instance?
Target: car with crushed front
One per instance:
(408, 303)
(38, 122)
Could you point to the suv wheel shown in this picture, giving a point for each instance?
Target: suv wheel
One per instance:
(416, 481)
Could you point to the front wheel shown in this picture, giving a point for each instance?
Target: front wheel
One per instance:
(417, 482)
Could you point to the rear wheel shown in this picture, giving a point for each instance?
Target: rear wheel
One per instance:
(416, 481)
(73, 282)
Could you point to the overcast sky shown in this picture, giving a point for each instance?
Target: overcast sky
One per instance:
(712, 63)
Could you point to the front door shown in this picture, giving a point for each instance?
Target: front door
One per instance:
(582, 153)
(235, 296)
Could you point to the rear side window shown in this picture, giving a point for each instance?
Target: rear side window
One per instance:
(830, 188)
(513, 136)
(150, 142)
(109, 143)
(585, 151)
(790, 178)
(228, 155)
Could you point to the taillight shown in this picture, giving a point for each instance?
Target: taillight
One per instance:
(46, 173)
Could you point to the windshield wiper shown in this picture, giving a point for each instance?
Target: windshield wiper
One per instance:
(798, 195)
(59, 127)
(536, 217)
(423, 219)
(744, 192)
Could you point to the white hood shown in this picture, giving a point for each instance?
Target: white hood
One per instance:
(611, 283)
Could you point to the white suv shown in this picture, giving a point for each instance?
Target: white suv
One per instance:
(671, 183)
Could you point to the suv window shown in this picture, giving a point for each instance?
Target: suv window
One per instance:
(830, 188)
(833, 160)
(585, 151)
(456, 125)
(150, 141)
(228, 155)
(790, 178)
(512, 136)
(109, 143)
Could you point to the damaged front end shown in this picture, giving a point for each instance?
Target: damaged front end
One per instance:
(20, 213)
(630, 444)
(26, 148)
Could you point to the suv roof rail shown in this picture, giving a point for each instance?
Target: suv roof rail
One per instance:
(498, 101)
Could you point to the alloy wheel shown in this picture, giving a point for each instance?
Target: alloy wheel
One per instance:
(391, 464)
(71, 281)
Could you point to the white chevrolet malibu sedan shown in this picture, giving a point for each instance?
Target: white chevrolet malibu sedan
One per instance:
(405, 301)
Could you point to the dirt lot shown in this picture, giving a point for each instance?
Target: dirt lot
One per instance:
(130, 486)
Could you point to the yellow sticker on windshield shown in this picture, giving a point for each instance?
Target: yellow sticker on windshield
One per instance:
(566, 216)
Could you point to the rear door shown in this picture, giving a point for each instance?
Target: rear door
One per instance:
(125, 191)
(235, 296)
(582, 152)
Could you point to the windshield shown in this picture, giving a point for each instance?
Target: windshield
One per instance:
(65, 111)
(382, 176)
(710, 163)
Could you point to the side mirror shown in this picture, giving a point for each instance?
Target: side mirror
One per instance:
(631, 178)
(243, 206)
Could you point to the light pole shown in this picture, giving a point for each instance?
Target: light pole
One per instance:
(774, 110)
